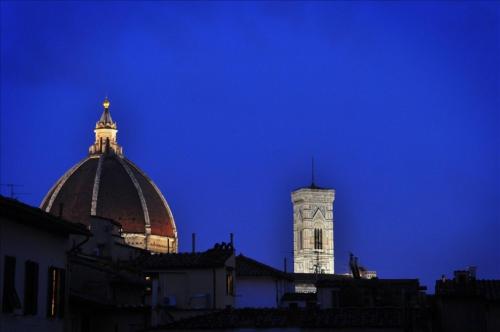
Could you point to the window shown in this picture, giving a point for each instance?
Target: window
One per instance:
(229, 283)
(318, 239)
(55, 292)
(31, 288)
(10, 300)
(301, 239)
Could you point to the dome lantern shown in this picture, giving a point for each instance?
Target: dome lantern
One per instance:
(105, 134)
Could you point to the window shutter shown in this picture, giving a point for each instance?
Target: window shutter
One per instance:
(10, 300)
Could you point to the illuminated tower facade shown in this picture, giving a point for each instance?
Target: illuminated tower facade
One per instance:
(313, 247)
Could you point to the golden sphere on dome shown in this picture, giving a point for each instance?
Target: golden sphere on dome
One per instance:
(106, 103)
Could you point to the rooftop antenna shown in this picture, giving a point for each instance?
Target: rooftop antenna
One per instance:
(13, 193)
(313, 185)
(193, 243)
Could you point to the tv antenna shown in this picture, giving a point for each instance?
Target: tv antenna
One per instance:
(312, 172)
(13, 193)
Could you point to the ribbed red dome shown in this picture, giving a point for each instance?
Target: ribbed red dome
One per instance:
(120, 191)
(106, 184)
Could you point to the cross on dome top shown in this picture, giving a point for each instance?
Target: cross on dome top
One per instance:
(106, 103)
(106, 121)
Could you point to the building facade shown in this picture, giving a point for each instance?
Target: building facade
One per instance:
(190, 283)
(313, 230)
(466, 303)
(259, 285)
(108, 291)
(33, 268)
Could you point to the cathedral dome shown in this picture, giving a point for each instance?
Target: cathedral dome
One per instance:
(106, 184)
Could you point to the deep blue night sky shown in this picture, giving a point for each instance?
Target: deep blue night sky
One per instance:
(223, 105)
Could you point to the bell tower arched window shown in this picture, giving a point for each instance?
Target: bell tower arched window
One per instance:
(318, 239)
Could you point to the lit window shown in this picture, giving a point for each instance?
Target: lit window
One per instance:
(229, 283)
(55, 292)
(318, 239)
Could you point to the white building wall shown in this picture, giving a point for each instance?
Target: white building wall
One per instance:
(196, 288)
(26, 243)
(258, 292)
(313, 209)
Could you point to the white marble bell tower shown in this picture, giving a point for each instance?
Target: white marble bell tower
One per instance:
(313, 230)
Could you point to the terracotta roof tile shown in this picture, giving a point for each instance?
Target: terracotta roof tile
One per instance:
(246, 266)
(35, 217)
(215, 257)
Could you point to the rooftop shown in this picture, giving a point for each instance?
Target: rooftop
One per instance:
(373, 282)
(36, 218)
(313, 277)
(482, 288)
(215, 257)
(247, 267)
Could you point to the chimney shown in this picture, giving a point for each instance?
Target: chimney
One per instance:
(193, 242)
(472, 272)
